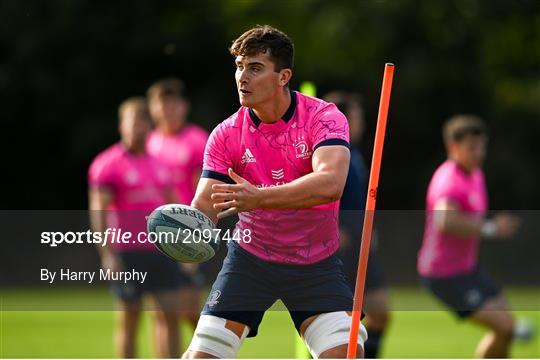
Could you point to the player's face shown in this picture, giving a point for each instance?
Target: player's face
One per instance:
(470, 152)
(134, 128)
(256, 79)
(169, 111)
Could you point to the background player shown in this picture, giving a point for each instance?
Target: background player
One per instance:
(126, 184)
(456, 204)
(180, 145)
(285, 158)
(353, 202)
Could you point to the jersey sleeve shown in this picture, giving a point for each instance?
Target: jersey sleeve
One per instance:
(446, 189)
(217, 155)
(101, 173)
(330, 127)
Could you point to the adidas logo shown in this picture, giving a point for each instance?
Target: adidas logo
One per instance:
(248, 157)
(278, 174)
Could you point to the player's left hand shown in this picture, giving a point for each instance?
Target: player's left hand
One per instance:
(234, 198)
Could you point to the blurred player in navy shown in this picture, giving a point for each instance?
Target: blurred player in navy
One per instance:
(353, 202)
(126, 184)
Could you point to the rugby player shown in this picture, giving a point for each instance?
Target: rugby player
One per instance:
(180, 145)
(126, 184)
(280, 162)
(456, 222)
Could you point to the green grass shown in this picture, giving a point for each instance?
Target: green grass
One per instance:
(88, 334)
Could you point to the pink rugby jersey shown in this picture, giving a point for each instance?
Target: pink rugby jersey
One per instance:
(444, 255)
(183, 153)
(274, 154)
(138, 183)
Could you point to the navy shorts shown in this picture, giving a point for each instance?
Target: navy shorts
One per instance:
(463, 294)
(163, 274)
(247, 286)
(375, 275)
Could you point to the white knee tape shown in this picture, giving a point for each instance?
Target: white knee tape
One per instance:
(330, 330)
(212, 337)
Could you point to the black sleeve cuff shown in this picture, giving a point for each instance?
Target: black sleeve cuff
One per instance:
(329, 142)
(217, 176)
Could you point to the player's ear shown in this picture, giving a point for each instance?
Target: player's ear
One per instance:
(284, 76)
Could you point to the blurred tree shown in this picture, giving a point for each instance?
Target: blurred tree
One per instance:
(65, 66)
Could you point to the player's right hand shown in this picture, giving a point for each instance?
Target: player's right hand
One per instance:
(506, 225)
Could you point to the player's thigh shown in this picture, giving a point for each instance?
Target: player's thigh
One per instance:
(190, 299)
(495, 315)
(167, 302)
(242, 291)
(313, 289)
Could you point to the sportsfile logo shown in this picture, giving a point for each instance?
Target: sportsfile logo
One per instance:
(277, 174)
(248, 157)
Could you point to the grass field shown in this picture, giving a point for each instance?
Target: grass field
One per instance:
(88, 334)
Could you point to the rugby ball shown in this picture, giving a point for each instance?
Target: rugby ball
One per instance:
(183, 233)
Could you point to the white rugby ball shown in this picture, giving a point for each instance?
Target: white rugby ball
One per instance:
(183, 233)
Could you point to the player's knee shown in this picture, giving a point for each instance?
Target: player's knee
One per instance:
(128, 319)
(328, 335)
(378, 320)
(197, 355)
(505, 328)
(167, 320)
(340, 352)
(213, 338)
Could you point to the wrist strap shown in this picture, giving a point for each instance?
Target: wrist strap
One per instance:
(489, 229)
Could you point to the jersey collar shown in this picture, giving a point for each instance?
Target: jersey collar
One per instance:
(286, 117)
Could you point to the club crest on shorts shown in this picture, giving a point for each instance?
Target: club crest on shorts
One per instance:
(473, 297)
(213, 298)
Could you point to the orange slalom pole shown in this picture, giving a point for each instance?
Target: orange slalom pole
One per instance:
(370, 209)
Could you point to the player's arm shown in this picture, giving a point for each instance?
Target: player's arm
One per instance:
(99, 199)
(203, 198)
(449, 219)
(325, 184)
(195, 176)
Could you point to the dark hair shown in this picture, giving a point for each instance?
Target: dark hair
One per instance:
(166, 87)
(344, 101)
(459, 126)
(140, 105)
(262, 39)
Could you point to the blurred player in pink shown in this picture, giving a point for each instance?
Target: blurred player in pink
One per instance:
(280, 162)
(456, 206)
(176, 142)
(180, 145)
(126, 184)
